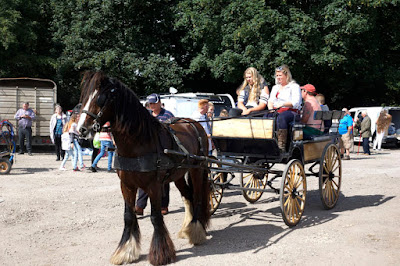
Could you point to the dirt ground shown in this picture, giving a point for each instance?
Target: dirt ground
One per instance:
(51, 217)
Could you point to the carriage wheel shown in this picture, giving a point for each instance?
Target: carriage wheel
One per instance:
(216, 191)
(249, 180)
(5, 166)
(293, 192)
(330, 176)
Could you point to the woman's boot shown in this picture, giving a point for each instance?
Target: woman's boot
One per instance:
(282, 138)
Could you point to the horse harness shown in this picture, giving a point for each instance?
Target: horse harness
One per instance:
(160, 161)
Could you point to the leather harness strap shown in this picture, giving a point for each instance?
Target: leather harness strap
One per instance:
(159, 161)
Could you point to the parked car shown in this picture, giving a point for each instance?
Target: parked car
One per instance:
(184, 104)
(392, 135)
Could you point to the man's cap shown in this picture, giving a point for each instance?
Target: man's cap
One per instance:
(153, 98)
(310, 88)
(107, 124)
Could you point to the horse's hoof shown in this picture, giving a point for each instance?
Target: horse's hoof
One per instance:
(127, 253)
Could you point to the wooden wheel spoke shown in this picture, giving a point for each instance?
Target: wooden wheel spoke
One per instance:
(301, 198)
(248, 181)
(334, 182)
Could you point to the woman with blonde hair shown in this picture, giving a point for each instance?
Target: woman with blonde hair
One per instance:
(382, 124)
(286, 99)
(253, 93)
(66, 143)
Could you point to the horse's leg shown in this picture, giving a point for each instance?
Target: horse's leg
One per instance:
(187, 199)
(162, 250)
(201, 209)
(128, 249)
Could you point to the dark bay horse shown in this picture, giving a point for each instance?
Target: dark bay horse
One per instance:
(141, 162)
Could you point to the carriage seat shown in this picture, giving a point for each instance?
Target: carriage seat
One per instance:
(327, 117)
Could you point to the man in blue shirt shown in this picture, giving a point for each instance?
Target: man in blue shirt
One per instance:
(25, 116)
(162, 115)
(346, 132)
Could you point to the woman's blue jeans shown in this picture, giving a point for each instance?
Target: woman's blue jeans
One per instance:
(105, 144)
(77, 154)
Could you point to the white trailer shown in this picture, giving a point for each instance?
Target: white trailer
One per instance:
(42, 97)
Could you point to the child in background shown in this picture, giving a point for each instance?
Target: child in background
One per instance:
(107, 143)
(66, 143)
(74, 137)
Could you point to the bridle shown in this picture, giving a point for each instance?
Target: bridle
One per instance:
(102, 101)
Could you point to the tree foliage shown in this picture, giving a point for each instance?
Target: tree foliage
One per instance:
(348, 49)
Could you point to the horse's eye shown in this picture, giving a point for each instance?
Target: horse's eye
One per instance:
(101, 100)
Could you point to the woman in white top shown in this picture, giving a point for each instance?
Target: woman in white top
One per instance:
(57, 123)
(253, 93)
(286, 99)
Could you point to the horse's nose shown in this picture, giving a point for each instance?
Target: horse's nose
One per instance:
(83, 131)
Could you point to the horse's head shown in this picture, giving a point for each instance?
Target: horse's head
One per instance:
(98, 102)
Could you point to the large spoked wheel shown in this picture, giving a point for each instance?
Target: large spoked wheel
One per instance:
(216, 191)
(293, 192)
(5, 166)
(253, 181)
(330, 176)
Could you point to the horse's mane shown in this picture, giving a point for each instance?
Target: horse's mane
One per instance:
(132, 119)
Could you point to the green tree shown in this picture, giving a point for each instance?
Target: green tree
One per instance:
(26, 47)
(132, 40)
(345, 48)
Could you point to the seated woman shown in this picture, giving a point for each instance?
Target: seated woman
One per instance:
(286, 99)
(253, 94)
(311, 104)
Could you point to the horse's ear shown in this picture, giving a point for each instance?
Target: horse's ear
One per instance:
(101, 100)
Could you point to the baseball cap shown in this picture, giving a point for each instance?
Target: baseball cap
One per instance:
(310, 88)
(153, 98)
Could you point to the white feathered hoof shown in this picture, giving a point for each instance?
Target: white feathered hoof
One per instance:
(127, 253)
(197, 234)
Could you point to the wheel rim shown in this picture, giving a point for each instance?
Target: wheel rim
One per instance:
(255, 182)
(3, 167)
(216, 191)
(330, 177)
(293, 193)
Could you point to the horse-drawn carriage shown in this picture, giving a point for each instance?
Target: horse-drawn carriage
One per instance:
(7, 146)
(248, 148)
(151, 153)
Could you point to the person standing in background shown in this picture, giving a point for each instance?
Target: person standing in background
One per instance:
(66, 143)
(346, 132)
(382, 124)
(25, 116)
(107, 144)
(366, 132)
(57, 123)
(74, 137)
(157, 111)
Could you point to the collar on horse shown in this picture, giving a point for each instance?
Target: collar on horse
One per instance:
(159, 161)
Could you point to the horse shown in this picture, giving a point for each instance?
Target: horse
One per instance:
(141, 163)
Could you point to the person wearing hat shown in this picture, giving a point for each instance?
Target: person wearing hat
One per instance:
(157, 111)
(107, 144)
(311, 104)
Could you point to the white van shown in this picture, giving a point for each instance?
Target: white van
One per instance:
(184, 104)
(392, 135)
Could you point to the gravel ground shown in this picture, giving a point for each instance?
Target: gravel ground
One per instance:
(51, 217)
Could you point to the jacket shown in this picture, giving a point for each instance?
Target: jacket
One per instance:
(53, 122)
(366, 127)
